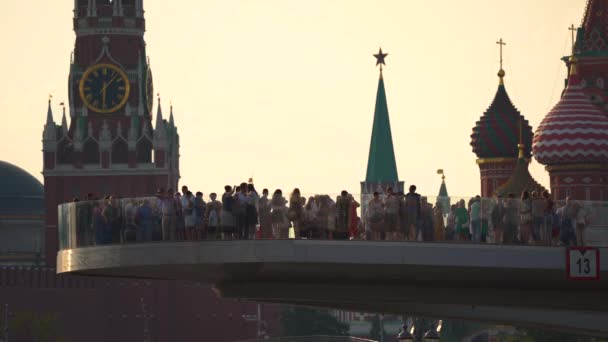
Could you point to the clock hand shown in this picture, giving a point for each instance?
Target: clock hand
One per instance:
(103, 95)
(105, 85)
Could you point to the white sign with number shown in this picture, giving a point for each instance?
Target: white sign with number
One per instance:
(583, 263)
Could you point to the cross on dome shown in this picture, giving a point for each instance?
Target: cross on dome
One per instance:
(501, 72)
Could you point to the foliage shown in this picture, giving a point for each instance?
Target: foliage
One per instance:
(34, 326)
(301, 321)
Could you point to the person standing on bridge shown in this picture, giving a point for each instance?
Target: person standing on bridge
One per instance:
(567, 215)
(296, 211)
(548, 213)
(525, 217)
(462, 218)
(280, 222)
(498, 220)
(342, 216)
(537, 216)
(391, 214)
(412, 213)
(450, 229)
(511, 219)
(353, 219)
(264, 212)
(227, 215)
(438, 225)
(581, 223)
(475, 219)
(375, 216)
(199, 212)
(213, 212)
(253, 203)
(311, 221)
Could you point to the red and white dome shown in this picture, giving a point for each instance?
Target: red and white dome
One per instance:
(574, 131)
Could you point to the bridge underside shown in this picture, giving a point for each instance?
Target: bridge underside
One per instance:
(519, 285)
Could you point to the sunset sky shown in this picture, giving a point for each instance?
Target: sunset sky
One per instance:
(284, 90)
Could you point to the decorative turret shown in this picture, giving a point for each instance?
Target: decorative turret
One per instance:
(495, 137)
(590, 47)
(593, 36)
(443, 198)
(381, 164)
(572, 141)
(50, 129)
(64, 123)
(160, 129)
(521, 180)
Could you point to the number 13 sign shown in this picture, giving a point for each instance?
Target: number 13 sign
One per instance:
(583, 263)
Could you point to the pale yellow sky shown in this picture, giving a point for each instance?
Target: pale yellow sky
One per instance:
(284, 90)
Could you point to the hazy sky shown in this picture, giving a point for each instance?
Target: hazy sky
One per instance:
(284, 90)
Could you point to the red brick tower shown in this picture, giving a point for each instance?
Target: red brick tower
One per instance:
(109, 146)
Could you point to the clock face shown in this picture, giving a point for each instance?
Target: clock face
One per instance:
(149, 90)
(104, 88)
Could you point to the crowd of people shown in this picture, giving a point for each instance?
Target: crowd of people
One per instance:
(242, 213)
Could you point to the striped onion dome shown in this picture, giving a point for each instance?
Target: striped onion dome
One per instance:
(574, 132)
(496, 134)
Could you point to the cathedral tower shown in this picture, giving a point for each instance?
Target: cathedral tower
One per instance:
(109, 146)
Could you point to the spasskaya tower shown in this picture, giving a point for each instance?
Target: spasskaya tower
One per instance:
(110, 146)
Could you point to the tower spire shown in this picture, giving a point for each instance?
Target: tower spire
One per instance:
(501, 72)
(160, 131)
(49, 112)
(159, 112)
(171, 120)
(381, 165)
(64, 121)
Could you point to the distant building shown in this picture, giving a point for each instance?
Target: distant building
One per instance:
(21, 217)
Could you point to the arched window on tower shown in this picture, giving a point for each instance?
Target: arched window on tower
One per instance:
(120, 152)
(144, 151)
(65, 152)
(90, 152)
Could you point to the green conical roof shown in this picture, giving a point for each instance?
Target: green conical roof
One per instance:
(381, 165)
(443, 190)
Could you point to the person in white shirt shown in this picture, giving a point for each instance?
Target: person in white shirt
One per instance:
(187, 201)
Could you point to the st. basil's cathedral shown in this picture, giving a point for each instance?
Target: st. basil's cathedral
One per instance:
(572, 139)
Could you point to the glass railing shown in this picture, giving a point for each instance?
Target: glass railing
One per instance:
(353, 217)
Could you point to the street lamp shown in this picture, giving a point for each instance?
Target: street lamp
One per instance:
(405, 336)
(431, 336)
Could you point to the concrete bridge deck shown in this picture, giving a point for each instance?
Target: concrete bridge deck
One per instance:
(521, 285)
